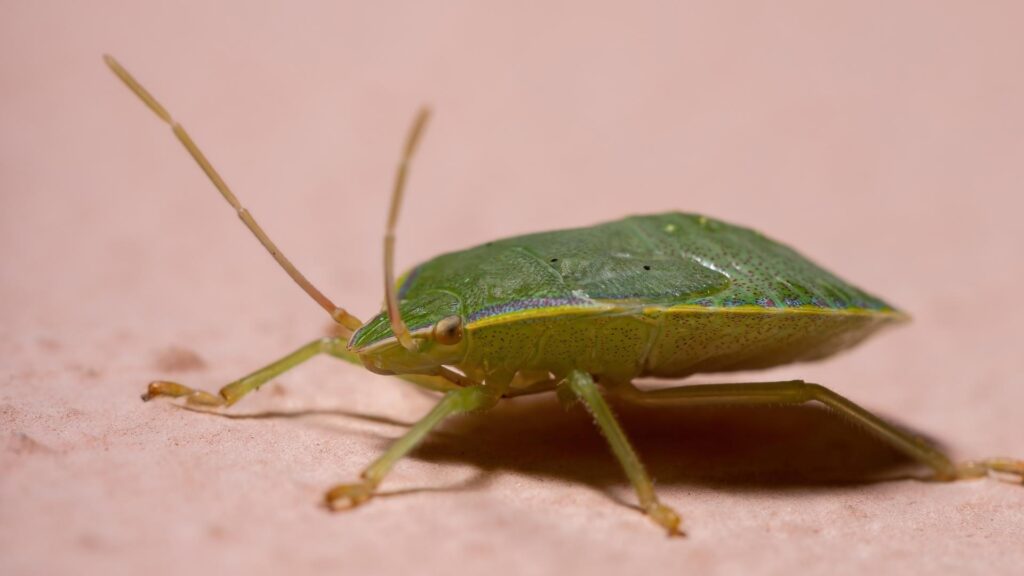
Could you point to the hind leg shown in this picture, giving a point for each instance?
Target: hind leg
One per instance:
(979, 468)
(800, 392)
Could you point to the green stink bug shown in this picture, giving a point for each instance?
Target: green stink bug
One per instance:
(666, 295)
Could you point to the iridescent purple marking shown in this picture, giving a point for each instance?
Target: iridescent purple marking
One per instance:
(525, 305)
(404, 288)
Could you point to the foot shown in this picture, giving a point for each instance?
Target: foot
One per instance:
(345, 496)
(1003, 468)
(667, 517)
(197, 398)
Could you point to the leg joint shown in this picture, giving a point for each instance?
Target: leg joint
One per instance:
(469, 399)
(817, 392)
(812, 389)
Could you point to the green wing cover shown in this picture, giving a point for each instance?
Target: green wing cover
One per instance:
(664, 260)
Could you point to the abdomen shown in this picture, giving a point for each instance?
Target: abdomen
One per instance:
(694, 340)
(671, 342)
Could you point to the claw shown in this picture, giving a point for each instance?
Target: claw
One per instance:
(346, 496)
(1007, 469)
(667, 517)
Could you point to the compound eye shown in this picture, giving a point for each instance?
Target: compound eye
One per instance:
(448, 330)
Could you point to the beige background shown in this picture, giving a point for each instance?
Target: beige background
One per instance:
(883, 139)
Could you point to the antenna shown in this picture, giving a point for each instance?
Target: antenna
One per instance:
(399, 328)
(346, 320)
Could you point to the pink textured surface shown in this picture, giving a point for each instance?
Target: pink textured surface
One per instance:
(882, 139)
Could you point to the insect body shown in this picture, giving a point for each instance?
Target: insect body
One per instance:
(575, 311)
(665, 295)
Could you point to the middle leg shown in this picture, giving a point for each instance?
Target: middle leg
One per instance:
(583, 387)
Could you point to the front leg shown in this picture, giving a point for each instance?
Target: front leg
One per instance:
(234, 391)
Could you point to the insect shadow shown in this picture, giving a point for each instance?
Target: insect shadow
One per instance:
(738, 447)
(753, 447)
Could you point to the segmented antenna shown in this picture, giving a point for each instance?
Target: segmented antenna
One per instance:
(348, 321)
(399, 328)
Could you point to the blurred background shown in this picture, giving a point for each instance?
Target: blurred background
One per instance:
(884, 140)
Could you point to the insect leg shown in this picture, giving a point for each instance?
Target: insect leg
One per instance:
(979, 468)
(800, 392)
(234, 391)
(454, 402)
(582, 385)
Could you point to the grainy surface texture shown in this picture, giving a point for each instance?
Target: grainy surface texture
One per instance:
(882, 139)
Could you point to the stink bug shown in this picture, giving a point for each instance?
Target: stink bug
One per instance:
(666, 295)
